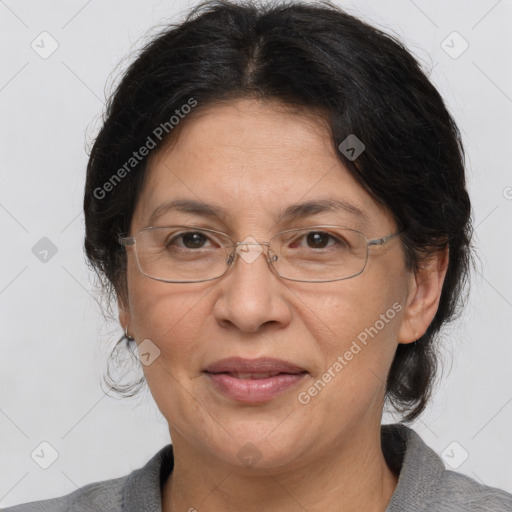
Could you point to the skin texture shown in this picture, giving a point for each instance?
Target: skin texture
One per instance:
(254, 158)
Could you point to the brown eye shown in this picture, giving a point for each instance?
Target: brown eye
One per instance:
(193, 240)
(318, 239)
(190, 240)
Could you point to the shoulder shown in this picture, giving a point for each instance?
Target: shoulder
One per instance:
(424, 484)
(106, 495)
(459, 492)
(139, 491)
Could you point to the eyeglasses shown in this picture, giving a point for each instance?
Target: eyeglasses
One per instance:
(185, 254)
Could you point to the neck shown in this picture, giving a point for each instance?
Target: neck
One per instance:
(348, 476)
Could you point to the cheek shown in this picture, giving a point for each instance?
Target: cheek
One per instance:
(169, 314)
(355, 323)
(173, 318)
(341, 310)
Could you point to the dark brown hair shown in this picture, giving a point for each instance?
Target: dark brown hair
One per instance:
(315, 57)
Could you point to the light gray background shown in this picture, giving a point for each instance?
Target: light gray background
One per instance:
(54, 339)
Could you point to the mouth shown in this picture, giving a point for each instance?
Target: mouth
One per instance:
(261, 365)
(253, 376)
(253, 381)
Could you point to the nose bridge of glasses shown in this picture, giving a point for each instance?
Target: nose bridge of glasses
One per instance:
(251, 242)
(249, 250)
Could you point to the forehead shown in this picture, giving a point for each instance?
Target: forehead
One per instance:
(252, 160)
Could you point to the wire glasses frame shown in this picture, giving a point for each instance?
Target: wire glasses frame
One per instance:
(127, 241)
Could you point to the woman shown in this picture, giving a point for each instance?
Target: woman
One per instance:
(277, 201)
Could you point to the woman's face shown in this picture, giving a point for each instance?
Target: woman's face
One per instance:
(253, 161)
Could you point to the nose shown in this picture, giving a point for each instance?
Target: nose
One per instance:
(251, 295)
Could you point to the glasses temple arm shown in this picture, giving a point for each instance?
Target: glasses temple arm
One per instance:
(384, 239)
(126, 240)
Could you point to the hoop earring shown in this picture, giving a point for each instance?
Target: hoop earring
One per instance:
(126, 335)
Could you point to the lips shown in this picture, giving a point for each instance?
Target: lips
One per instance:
(253, 381)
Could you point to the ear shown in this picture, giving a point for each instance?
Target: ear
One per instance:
(425, 289)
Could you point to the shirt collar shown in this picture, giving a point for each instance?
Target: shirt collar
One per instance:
(420, 468)
(143, 490)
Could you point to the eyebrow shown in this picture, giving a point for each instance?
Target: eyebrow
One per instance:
(292, 212)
